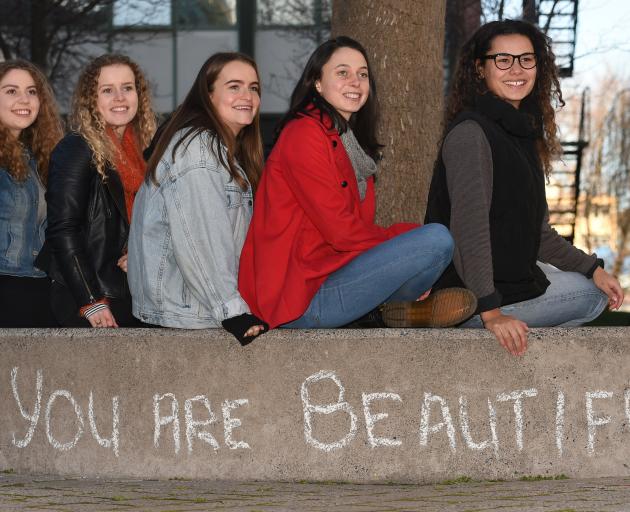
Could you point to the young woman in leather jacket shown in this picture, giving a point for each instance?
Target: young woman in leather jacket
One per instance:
(193, 210)
(95, 172)
(29, 129)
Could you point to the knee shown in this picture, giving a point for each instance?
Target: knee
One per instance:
(597, 305)
(442, 238)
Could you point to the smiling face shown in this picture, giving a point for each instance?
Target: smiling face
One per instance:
(19, 102)
(235, 95)
(514, 84)
(117, 97)
(344, 81)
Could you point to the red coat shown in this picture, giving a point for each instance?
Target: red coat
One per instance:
(308, 222)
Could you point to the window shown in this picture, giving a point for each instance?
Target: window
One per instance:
(294, 12)
(142, 13)
(189, 14)
(203, 14)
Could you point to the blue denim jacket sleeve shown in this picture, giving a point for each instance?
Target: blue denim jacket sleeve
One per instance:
(203, 238)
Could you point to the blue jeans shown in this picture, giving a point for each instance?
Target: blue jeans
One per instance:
(400, 269)
(570, 300)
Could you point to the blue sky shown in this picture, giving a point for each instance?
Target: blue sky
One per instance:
(603, 40)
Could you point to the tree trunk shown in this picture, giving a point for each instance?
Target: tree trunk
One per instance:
(404, 39)
(463, 18)
(622, 243)
(39, 39)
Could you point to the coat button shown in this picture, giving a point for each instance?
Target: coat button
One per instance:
(334, 143)
(344, 183)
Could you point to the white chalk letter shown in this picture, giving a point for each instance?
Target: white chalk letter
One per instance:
(371, 419)
(192, 426)
(447, 422)
(559, 421)
(77, 411)
(112, 442)
(230, 423)
(463, 419)
(340, 405)
(517, 396)
(32, 418)
(160, 421)
(592, 421)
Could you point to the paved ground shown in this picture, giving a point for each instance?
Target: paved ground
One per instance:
(18, 492)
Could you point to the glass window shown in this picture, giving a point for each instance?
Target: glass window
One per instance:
(294, 12)
(202, 14)
(142, 13)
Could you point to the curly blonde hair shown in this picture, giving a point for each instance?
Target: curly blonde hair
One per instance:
(88, 122)
(539, 104)
(40, 137)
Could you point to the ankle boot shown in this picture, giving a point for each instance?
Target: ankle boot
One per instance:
(443, 308)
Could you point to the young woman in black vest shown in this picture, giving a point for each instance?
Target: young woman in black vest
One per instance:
(489, 189)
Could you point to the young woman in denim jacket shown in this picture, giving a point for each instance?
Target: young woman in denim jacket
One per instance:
(29, 129)
(95, 172)
(193, 210)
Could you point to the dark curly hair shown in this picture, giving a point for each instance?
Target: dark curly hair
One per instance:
(540, 103)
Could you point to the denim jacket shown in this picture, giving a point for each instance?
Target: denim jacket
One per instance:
(21, 234)
(186, 239)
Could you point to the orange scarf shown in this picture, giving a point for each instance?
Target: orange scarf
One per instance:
(129, 164)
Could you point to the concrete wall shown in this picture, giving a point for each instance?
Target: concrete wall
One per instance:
(348, 405)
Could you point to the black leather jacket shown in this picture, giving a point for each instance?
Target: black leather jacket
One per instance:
(87, 224)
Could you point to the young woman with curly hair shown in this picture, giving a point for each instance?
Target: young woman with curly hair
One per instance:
(314, 258)
(29, 129)
(95, 172)
(193, 210)
(489, 189)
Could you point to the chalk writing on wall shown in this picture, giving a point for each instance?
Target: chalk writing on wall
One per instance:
(202, 424)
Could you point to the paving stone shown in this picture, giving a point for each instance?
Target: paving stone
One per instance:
(35, 493)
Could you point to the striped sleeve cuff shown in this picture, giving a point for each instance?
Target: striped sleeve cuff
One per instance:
(89, 309)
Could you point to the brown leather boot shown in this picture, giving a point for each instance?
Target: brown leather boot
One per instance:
(443, 308)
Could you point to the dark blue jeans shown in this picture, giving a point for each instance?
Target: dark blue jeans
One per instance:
(400, 269)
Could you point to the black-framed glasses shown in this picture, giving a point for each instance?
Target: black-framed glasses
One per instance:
(505, 61)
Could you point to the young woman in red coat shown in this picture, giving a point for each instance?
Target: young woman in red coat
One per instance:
(313, 257)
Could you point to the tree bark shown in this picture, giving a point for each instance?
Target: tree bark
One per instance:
(404, 39)
(463, 18)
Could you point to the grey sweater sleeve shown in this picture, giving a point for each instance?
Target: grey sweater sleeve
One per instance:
(556, 250)
(468, 161)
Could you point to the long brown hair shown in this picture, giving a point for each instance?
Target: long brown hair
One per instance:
(540, 103)
(363, 123)
(196, 115)
(87, 121)
(40, 137)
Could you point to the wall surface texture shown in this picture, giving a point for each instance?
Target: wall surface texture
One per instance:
(340, 405)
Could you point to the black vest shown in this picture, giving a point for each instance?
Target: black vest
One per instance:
(518, 200)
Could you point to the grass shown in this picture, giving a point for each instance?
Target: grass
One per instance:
(611, 318)
(538, 478)
(458, 480)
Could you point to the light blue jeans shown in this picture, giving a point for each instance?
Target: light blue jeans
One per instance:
(570, 300)
(400, 269)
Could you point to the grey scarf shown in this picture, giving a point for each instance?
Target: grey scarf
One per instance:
(362, 163)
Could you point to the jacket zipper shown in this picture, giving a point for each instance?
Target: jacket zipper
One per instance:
(76, 261)
(103, 195)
